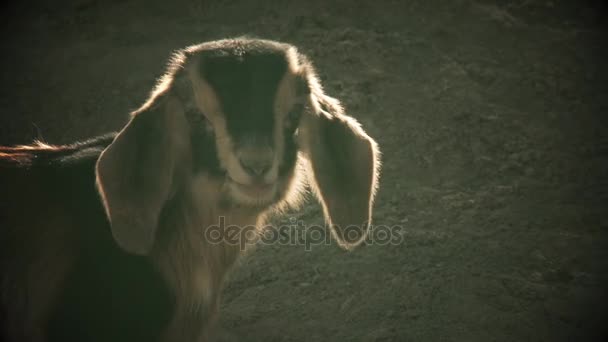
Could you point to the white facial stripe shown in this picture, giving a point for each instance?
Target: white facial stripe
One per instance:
(282, 93)
(208, 103)
(285, 99)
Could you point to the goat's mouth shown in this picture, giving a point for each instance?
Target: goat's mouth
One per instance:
(255, 193)
(255, 189)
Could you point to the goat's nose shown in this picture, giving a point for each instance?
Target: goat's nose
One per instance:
(255, 166)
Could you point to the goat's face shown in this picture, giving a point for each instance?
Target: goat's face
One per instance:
(252, 104)
(251, 116)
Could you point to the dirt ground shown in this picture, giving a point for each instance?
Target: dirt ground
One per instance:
(492, 119)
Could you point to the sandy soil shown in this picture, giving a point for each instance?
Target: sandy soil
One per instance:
(492, 118)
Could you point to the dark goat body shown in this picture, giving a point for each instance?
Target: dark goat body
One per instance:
(57, 245)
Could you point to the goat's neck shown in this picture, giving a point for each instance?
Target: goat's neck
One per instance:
(193, 262)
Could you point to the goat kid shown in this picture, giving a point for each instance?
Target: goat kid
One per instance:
(104, 240)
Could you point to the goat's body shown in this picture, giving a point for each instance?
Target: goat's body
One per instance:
(194, 267)
(63, 277)
(108, 240)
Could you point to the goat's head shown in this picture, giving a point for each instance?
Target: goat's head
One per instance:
(251, 115)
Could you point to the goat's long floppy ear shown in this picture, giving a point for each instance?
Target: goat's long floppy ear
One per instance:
(141, 169)
(343, 168)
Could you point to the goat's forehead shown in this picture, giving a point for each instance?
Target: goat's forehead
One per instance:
(246, 85)
(244, 72)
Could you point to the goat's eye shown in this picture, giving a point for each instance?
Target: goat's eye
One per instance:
(200, 122)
